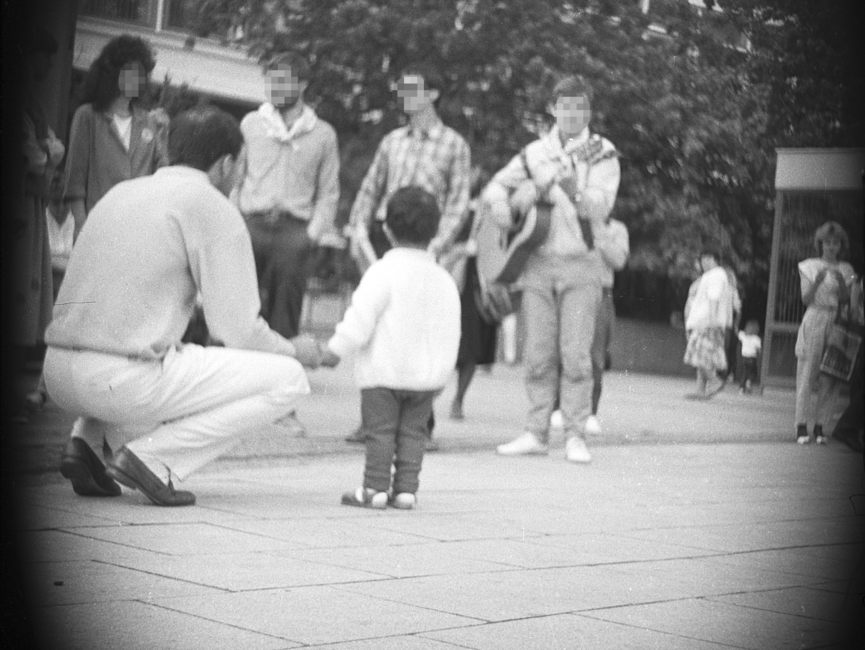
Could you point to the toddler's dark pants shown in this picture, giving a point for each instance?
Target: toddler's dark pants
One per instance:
(749, 371)
(395, 423)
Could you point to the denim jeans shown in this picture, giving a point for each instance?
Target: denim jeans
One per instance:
(395, 424)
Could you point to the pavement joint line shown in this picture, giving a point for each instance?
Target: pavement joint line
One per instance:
(715, 599)
(405, 604)
(212, 620)
(159, 575)
(665, 632)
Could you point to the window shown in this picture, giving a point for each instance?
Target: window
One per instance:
(181, 14)
(141, 12)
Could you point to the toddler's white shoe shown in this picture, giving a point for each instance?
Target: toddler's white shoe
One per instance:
(365, 498)
(556, 421)
(593, 427)
(528, 443)
(576, 451)
(403, 501)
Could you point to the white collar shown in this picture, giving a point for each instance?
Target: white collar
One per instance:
(276, 125)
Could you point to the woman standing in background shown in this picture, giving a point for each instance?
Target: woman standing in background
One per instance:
(708, 314)
(113, 138)
(825, 282)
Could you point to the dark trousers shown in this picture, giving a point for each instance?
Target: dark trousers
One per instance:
(395, 424)
(281, 248)
(749, 371)
(601, 345)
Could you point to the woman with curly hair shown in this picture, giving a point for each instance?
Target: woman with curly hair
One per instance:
(113, 138)
(825, 282)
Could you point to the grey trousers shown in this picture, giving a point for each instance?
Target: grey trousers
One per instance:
(560, 305)
(395, 425)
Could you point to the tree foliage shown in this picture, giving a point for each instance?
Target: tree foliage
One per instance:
(696, 111)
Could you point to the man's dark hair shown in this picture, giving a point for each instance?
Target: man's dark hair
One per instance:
(571, 86)
(101, 83)
(413, 215)
(201, 136)
(432, 78)
(294, 60)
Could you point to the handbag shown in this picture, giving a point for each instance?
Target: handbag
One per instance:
(59, 239)
(843, 342)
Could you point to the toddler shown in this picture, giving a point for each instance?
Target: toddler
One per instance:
(404, 325)
(751, 344)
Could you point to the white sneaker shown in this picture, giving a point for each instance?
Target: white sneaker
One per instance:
(593, 427)
(556, 421)
(403, 501)
(528, 443)
(576, 452)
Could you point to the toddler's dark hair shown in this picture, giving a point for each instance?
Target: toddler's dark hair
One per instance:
(413, 215)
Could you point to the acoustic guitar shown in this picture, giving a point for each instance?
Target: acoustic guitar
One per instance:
(502, 254)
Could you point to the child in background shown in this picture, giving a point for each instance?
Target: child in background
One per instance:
(751, 344)
(404, 324)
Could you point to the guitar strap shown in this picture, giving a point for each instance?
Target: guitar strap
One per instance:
(585, 226)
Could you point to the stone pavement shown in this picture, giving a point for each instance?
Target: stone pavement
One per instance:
(696, 526)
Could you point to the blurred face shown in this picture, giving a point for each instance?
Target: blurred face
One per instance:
(831, 248)
(707, 262)
(282, 87)
(413, 94)
(131, 80)
(572, 114)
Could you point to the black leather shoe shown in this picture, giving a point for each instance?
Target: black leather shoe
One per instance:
(82, 466)
(128, 469)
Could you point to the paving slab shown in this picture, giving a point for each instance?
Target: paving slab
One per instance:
(505, 595)
(185, 539)
(311, 615)
(68, 583)
(134, 625)
(246, 571)
(566, 632)
(331, 533)
(408, 560)
(401, 642)
(739, 627)
(797, 601)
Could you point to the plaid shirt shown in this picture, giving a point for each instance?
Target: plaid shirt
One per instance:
(437, 160)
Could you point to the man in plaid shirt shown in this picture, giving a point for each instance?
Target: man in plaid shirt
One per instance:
(425, 153)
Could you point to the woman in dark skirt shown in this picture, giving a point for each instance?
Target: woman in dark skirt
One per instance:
(478, 341)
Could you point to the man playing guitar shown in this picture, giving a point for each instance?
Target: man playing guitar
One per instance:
(577, 174)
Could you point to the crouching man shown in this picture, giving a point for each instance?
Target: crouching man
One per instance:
(151, 408)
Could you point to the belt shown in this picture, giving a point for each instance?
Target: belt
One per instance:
(272, 216)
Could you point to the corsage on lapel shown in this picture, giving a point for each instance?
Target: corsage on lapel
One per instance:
(146, 135)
